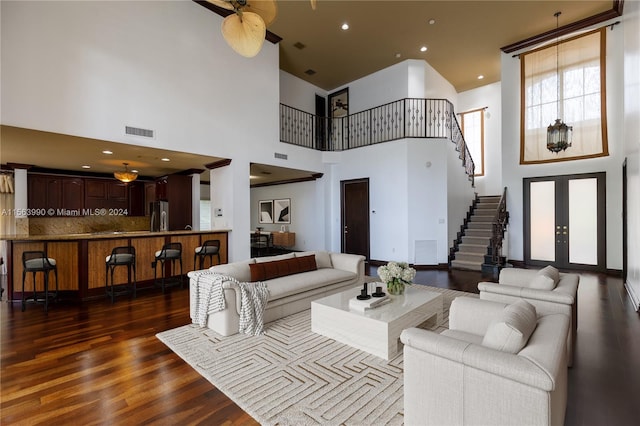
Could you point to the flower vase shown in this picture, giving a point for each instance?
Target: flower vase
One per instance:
(395, 287)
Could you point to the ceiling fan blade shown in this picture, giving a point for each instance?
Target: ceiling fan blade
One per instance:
(313, 4)
(244, 35)
(222, 3)
(267, 9)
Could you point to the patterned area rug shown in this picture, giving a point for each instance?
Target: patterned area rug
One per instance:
(291, 376)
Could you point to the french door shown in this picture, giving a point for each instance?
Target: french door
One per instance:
(565, 221)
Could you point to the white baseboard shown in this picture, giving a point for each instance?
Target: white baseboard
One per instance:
(635, 299)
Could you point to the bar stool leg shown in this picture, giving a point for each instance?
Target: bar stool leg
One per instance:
(24, 302)
(46, 291)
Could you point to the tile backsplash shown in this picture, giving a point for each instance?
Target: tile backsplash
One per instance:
(86, 224)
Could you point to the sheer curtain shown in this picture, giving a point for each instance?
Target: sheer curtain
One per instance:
(581, 102)
(7, 217)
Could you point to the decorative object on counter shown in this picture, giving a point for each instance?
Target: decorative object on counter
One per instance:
(379, 292)
(396, 275)
(126, 175)
(364, 293)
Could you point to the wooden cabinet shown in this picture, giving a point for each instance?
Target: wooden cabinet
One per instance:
(176, 189)
(283, 239)
(60, 193)
(106, 194)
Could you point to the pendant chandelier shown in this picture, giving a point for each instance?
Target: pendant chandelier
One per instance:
(126, 175)
(558, 134)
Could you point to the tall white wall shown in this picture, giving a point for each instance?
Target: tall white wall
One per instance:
(460, 193)
(513, 173)
(632, 143)
(488, 96)
(298, 93)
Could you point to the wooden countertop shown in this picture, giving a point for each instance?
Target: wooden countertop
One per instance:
(106, 235)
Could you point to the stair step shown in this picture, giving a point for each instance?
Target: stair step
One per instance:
(472, 248)
(480, 225)
(485, 211)
(469, 257)
(489, 199)
(469, 266)
(484, 241)
(486, 233)
(480, 218)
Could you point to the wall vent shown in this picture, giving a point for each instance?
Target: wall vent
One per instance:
(280, 156)
(136, 131)
(299, 45)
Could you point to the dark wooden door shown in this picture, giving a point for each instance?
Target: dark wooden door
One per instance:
(321, 120)
(354, 196)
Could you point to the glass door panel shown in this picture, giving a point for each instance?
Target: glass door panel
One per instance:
(583, 221)
(542, 211)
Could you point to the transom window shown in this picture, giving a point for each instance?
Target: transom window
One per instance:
(472, 123)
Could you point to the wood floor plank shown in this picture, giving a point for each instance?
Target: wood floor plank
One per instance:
(100, 363)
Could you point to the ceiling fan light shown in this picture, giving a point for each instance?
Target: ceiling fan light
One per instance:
(222, 3)
(267, 9)
(126, 175)
(244, 35)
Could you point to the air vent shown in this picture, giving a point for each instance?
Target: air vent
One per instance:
(299, 45)
(280, 156)
(310, 72)
(136, 131)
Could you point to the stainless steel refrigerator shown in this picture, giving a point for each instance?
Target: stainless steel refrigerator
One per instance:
(159, 216)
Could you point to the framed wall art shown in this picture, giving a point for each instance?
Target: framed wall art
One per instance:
(282, 210)
(265, 211)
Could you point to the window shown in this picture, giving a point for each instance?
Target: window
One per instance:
(473, 132)
(579, 64)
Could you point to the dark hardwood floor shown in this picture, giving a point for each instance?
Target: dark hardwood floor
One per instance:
(99, 363)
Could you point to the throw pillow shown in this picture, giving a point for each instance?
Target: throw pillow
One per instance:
(510, 332)
(542, 282)
(280, 268)
(323, 258)
(550, 272)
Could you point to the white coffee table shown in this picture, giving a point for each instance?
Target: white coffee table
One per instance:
(376, 331)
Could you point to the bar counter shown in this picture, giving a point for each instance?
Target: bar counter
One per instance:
(80, 259)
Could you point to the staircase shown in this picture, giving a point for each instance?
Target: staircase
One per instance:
(475, 237)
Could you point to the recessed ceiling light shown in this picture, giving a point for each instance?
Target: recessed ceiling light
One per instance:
(134, 171)
(480, 77)
(345, 26)
(165, 159)
(107, 152)
(423, 49)
(432, 21)
(86, 166)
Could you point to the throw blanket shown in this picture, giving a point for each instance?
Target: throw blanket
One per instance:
(210, 299)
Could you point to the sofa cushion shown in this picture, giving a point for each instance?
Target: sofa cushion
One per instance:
(280, 268)
(511, 330)
(272, 258)
(551, 272)
(238, 270)
(305, 281)
(323, 258)
(542, 282)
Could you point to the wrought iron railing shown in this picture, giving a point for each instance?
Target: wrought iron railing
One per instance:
(405, 118)
(500, 221)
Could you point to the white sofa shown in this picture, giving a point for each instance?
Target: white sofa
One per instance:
(453, 378)
(516, 283)
(287, 294)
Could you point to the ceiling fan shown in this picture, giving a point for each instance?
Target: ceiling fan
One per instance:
(245, 29)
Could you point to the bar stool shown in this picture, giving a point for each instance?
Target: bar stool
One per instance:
(209, 249)
(170, 252)
(120, 256)
(37, 261)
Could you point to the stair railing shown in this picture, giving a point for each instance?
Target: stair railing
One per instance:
(404, 118)
(499, 226)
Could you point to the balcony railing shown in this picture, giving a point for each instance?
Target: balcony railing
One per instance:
(405, 118)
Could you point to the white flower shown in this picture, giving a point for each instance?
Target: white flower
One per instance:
(396, 270)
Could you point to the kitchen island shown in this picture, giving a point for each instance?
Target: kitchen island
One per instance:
(80, 259)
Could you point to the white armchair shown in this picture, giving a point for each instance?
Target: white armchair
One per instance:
(453, 378)
(516, 283)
